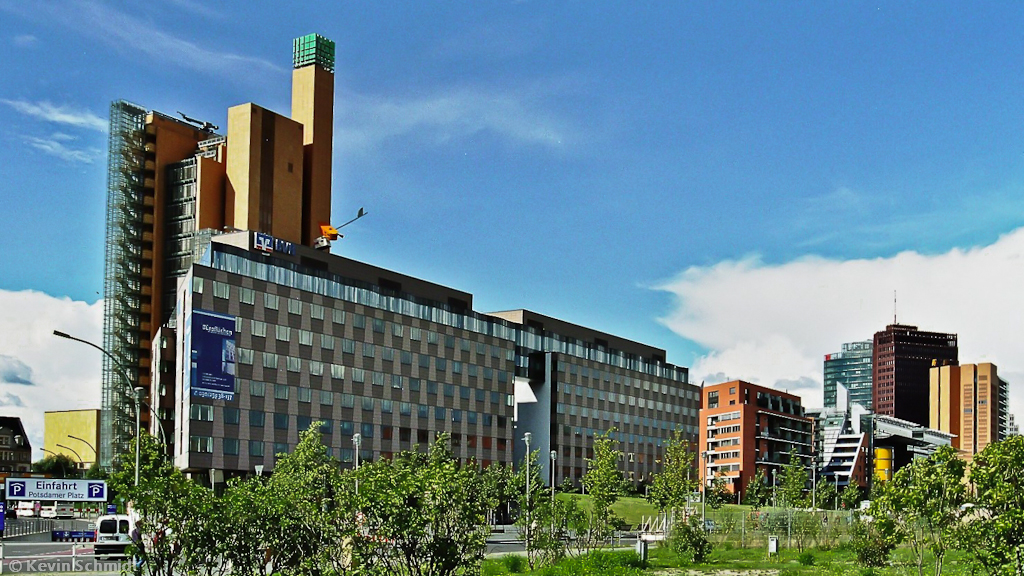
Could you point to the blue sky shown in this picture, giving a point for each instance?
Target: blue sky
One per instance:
(577, 159)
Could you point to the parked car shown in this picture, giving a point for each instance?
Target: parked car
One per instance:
(113, 534)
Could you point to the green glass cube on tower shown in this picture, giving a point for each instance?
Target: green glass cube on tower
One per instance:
(313, 49)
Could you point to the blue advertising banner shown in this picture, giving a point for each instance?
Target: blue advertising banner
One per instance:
(212, 365)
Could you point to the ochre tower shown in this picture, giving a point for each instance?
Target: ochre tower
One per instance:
(313, 107)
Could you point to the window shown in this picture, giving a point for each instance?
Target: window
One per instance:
(378, 325)
(431, 387)
(441, 364)
(202, 444)
(348, 346)
(338, 316)
(271, 301)
(231, 446)
(396, 381)
(259, 328)
(284, 333)
(414, 384)
(387, 432)
(387, 406)
(449, 341)
(326, 397)
(368, 350)
(245, 356)
(302, 423)
(257, 418)
(449, 390)
(247, 295)
(294, 306)
(387, 353)
(231, 415)
(325, 426)
(294, 364)
(431, 337)
(471, 417)
(305, 338)
(280, 448)
(327, 342)
(405, 408)
(256, 448)
(407, 357)
(201, 412)
(424, 361)
(422, 411)
(348, 400)
(221, 290)
(281, 391)
(197, 285)
(397, 329)
(337, 371)
(316, 368)
(270, 360)
(257, 388)
(439, 412)
(415, 334)
(281, 421)
(346, 427)
(305, 395)
(316, 311)
(464, 392)
(367, 403)
(359, 321)
(456, 415)
(358, 375)
(366, 429)
(377, 378)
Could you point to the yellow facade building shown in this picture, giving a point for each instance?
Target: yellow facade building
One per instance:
(969, 401)
(74, 433)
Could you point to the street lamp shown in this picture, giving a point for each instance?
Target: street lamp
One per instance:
(526, 438)
(95, 454)
(139, 392)
(72, 450)
(775, 482)
(57, 456)
(357, 440)
(706, 457)
(553, 454)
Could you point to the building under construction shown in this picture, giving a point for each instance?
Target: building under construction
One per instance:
(172, 183)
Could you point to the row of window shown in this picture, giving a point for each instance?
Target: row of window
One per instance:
(612, 397)
(257, 418)
(624, 381)
(305, 395)
(257, 448)
(616, 417)
(617, 435)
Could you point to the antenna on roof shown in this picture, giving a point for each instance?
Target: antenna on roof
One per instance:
(894, 307)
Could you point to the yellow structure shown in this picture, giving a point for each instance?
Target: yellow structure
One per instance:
(970, 402)
(74, 433)
(883, 464)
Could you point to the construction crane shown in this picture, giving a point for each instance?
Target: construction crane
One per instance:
(201, 124)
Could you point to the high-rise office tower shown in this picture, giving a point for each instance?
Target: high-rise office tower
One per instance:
(901, 358)
(173, 183)
(850, 368)
(969, 401)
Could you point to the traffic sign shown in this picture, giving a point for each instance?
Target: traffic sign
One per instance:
(56, 489)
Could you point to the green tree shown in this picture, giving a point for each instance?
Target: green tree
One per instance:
(793, 483)
(825, 493)
(677, 481)
(851, 496)
(921, 505)
(993, 531)
(60, 465)
(717, 494)
(533, 513)
(758, 493)
(424, 515)
(603, 482)
(153, 463)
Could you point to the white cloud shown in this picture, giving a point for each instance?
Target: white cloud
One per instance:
(64, 375)
(24, 40)
(366, 122)
(58, 114)
(55, 146)
(773, 323)
(142, 39)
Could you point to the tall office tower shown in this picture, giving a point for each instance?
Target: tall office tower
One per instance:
(969, 401)
(901, 359)
(850, 368)
(174, 183)
(745, 427)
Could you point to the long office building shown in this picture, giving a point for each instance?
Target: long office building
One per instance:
(172, 182)
(745, 427)
(849, 369)
(272, 336)
(902, 355)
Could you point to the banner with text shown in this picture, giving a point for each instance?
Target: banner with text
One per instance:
(56, 489)
(212, 366)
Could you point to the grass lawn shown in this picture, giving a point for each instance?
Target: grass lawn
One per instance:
(633, 509)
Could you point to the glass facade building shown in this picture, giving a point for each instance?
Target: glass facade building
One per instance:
(850, 368)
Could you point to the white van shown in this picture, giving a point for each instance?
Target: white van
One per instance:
(26, 508)
(113, 534)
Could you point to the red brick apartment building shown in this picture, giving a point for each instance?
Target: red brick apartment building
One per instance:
(744, 427)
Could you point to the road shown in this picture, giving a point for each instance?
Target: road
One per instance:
(37, 553)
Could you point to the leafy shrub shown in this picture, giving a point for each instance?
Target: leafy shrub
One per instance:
(868, 572)
(597, 564)
(806, 558)
(689, 542)
(871, 549)
(514, 563)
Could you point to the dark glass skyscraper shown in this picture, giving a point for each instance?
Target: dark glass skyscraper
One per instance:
(852, 369)
(902, 357)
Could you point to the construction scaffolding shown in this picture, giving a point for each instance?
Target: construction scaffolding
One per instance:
(125, 266)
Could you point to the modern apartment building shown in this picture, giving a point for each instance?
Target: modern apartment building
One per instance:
(902, 355)
(841, 448)
(745, 427)
(272, 336)
(172, 182)
(851, 369)
(970, 402)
